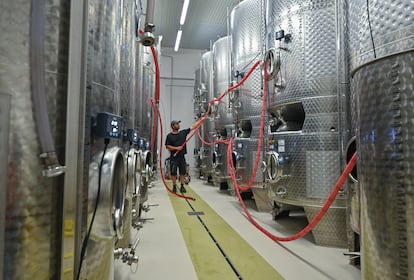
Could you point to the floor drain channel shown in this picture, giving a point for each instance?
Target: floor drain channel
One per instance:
(195, 213)
(200, 213)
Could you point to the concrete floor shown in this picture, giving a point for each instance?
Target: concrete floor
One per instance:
(163, 254)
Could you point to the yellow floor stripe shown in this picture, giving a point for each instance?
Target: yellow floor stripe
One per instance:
(207, 259)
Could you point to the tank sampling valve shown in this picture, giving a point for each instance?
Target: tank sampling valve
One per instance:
(138, 225)
(125, 256)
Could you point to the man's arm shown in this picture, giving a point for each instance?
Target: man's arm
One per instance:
(173, 148)
(196, 124)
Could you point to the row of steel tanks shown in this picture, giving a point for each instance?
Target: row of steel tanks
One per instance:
(76, 156)
(339, 81)
(381, 63)
(238, 114)
(302, 156)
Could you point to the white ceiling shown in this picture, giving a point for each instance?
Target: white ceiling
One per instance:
(206, 21)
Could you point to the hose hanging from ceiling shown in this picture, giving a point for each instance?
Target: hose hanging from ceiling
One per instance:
(157, 92)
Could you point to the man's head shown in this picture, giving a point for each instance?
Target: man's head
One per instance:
(175, 125)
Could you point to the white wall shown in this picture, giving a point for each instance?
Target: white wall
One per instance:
(177, 71)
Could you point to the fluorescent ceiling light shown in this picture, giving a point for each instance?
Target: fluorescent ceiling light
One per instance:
(178, 39)
(184, 11)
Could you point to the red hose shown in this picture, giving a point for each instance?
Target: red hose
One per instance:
(157, 96)
(157, 70)
(221, 97)
(320, 214)
(245, 77)
(230, 162)
(157, 93)
(202, 140)
(154, 105)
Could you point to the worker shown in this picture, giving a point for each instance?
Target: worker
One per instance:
(174, 143)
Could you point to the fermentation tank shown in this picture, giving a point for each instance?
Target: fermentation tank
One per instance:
(146, 117)
(107, 182)
(247, 44)
(382, 59)
(60, 77)
(197, 114)
(128, 101)
(221, 110)
(206, 95)
(305, 141)
(108, 90)
(34, 54)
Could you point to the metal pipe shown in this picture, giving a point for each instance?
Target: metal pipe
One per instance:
(342, 78)
(72, 202)
(5, 101)
(178, 79)
(37, 75)
(149, 19)
(134, 246)
(171, 78)
(229, 77)
(147, 38)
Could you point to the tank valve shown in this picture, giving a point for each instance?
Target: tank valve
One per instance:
(147, 39)
(138, 225)
(282, 192)
(353, 255)
(118, 253)
(126, 257)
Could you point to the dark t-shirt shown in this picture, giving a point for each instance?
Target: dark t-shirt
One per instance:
(177, 140)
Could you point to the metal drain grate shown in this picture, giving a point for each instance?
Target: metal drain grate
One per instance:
(195, 213)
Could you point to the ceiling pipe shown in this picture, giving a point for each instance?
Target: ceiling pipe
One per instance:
(148, 39)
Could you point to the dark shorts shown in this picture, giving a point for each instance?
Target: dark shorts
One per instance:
(178, 163)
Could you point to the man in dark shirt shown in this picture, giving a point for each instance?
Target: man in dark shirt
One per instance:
(174, 143)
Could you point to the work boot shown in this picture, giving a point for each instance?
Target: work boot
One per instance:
(174, 189)
(182, 189)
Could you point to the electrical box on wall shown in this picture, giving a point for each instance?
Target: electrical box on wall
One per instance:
(279, 35)
(108, 125)
(132, 136)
